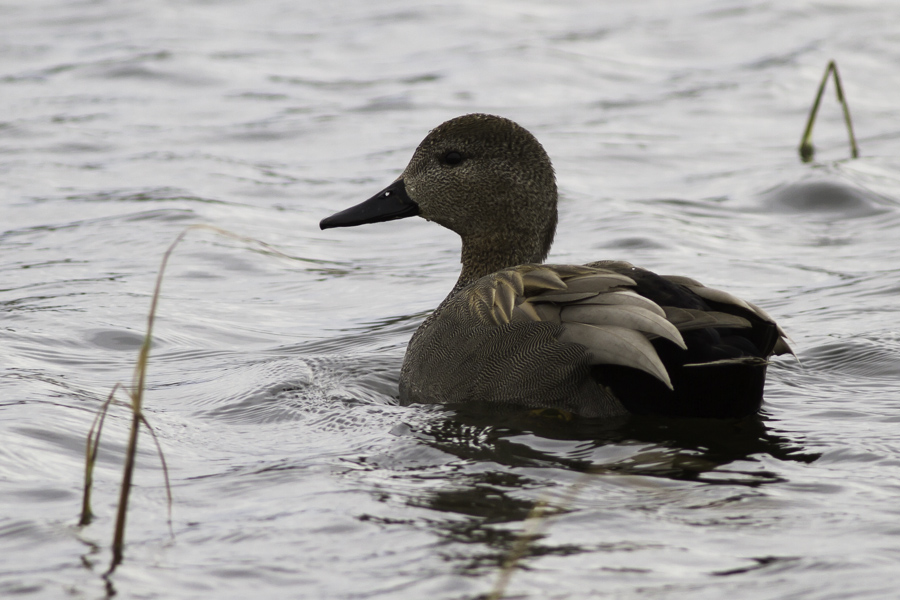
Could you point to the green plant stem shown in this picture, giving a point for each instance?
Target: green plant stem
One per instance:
(839, 89)
(806, 148)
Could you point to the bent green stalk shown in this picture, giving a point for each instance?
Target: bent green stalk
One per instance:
(806, 148)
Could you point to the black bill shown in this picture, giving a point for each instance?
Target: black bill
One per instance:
(387, 205)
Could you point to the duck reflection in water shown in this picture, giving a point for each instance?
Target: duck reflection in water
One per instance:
(503, 457)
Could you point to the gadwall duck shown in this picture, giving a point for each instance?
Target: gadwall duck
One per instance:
(603, 339)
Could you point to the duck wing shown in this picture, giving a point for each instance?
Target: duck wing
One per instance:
(583, 338)
(722, 372)
(732, 305)
(592, 307)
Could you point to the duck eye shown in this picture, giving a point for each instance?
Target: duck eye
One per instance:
(452, 158)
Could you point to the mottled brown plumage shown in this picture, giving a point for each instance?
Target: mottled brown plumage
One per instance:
(598, 340)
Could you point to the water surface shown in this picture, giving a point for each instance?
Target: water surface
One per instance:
(273, 380)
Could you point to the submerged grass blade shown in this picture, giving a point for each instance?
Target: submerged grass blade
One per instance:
(534, 522)
(806, 148)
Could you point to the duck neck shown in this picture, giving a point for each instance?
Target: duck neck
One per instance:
(482, 257)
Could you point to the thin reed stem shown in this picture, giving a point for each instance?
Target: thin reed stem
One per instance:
(806, 148)
(136, 395)
(165, 470)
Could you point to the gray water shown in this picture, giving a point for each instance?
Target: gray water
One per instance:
(673, 127)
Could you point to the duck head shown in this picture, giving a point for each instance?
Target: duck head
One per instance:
(484, 177)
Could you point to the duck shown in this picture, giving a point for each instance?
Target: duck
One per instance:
(601, 340)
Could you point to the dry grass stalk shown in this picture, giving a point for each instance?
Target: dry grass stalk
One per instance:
(136, 396)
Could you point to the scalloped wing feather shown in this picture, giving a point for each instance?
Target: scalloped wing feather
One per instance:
(629, 317)
(592, 306)
(626, 297)
(617, 346)
(597, 310)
